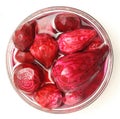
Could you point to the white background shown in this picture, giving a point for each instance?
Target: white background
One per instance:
(12, 12)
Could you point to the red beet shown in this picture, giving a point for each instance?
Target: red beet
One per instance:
(72, 98)
(75, 40)
(24, 57)
(67, 22)
(24, 36)
(70, 71)
(49, 96)
(28, 77)
(44, 49)
(95, 44)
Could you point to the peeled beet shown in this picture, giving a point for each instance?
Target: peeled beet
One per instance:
(96, 44)
(67, 22)
(28, 77)
(72, 71)
(75, 40)
(24, 36)
(49, 96)
(44, 49)
(72, 98)
(24, 57)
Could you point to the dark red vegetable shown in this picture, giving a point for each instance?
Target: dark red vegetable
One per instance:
(28, 77)
(67, 22)
(76, 40)
(71, 71)
(24, 57)
(44, 49)
(24, 36)
(49, 96)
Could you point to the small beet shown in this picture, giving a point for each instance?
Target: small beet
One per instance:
(72, 98)
(96, 44)
(76, 40)
(27, 77)
(49, 96)
(67, 22)
(24, 36)
(44, 49)
(24, 57)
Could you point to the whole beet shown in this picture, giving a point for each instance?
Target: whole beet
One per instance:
(72, 98)
(49, 96)
(44, 49)
(23, 37)
(28, 77)
(71, 71)
(67, 22)
(76, 40)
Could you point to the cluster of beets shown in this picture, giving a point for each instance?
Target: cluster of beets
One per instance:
(59, 59)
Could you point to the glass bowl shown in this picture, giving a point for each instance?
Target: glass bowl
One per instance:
(70, 99)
